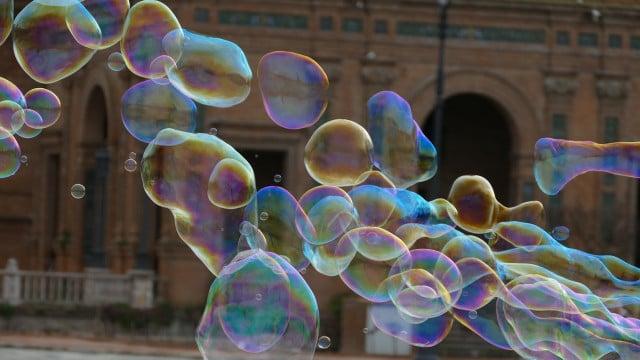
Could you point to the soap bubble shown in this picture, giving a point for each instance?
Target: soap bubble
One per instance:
(6, 19)
(213, 131)
(24, 159)
(110, 16)
(130, 165)
(78, 191)
(115, 61)
(277, 178)
(560, 233)
(9, 154)
(9, 91)
(324, 342)
(83, 26)
(148, 107)
(294, 89)
(10, 118)
(231, 184)
(46, 104)
(43, 45)
(33, 123)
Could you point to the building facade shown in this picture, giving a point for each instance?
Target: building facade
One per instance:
(515, 71)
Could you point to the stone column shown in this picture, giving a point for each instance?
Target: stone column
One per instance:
(11, 283)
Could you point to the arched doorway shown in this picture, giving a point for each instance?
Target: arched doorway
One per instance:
(96, 172)
(476, 140)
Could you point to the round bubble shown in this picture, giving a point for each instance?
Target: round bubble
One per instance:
(9, 121)
(9, 91)
(9, 154)
(338, 152)
(231, 184)
(24, 159)
(294, 89)
(277, 178)
(130, 165)
(560, 233)
(46, 104)
(78, 191)
(115, 61)
(32, 123)
(148, 107)
(211, 71)
(146, 25)
(324, 342)
(43, 45)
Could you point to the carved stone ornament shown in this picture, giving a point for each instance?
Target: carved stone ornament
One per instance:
(612, 88)
(560, 85)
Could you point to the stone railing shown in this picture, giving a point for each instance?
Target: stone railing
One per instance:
(93, 287)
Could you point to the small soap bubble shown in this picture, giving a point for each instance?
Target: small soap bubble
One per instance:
(213, 131)
(365, 331)
(560, 233)
(473, 314)
(77, 191)
(264, 216)
(303, 271)
(24, 159)
(130, 165)
(258, 297)
(132, 155)
(324, 342)
(115, 61)
(277, 178)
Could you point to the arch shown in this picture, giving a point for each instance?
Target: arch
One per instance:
(523, 118)
(476, 140)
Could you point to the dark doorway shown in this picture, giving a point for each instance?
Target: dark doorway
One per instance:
(96, 172)
(268, 166)
(476, 141)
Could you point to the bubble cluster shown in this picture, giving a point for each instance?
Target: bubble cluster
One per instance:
(559, 161)
(294, 89)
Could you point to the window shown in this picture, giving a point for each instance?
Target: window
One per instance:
(326, 23)
(611, 125)
(201, 14)
(588, 39)
(563, 38)
(352, 25)
(634, 42)
(381, 27)
(266, 165)
(559, 126)
(615, 41)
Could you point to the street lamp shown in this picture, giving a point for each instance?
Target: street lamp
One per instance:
(443, 7)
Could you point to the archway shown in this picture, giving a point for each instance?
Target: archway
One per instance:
(476, 140)
(96, 170)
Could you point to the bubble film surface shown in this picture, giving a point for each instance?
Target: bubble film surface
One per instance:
(9, 154)
(46, 104)
(45, 47)
(146, 25)
(294, 89)
(149, 107)
(6, 19)
(557, 161)
(211, 71)
(110, 16)
(400, 149)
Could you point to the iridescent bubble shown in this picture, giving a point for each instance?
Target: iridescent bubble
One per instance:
(148, 107)
(176, 177)
(324, 342)
(9, 154)
(24, 159)
(32, 123)
(400, 149)
(83, 26)
(211, 71)
(78, 191)
(338, 152)
(213, 131)
(11, 119)
(6, 19)
(231, 184)
(473, 314)
(43, 45)
(8, 91)
(264, 216)
(115, 62)
(110, 16)
(46, 104)
(559, 161)
(560, 233)
(130, 165)
(146, 25)
(294, 89)
(160, 68)
(280, 324)
(327, 213)
(277, 178)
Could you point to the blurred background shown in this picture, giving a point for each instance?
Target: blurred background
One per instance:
(485, 79)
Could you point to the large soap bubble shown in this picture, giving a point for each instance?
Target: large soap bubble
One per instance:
(211, 71)
(45, 47)
(9, 154)
(294, 89)
(110, 16)
(6, 19)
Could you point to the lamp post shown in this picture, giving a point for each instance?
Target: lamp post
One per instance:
(443, 7)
